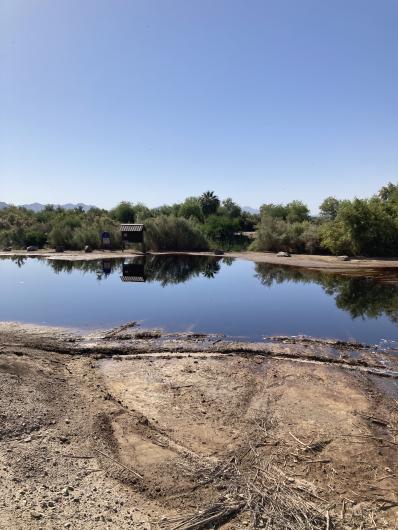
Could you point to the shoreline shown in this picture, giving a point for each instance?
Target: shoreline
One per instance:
(311, 262)
(131, 428)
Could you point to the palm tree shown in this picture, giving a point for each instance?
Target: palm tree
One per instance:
(209, 202)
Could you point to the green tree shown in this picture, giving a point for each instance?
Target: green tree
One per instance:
(124, 212)
(294, 211)
(141, 212)
(230, 208)
(191, 208)
(276, 211)
(220, 228)
(389, 193)
(362, 227)
(329, 208)
(297, 212)
(209, 202)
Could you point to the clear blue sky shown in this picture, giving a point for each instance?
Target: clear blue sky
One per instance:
(155, 100)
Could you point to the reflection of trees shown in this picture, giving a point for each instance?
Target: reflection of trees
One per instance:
(19, 260)
(365, 297)
(169, 269)
(228, 261)
(166, 269)
(360, 296)
(93, 266)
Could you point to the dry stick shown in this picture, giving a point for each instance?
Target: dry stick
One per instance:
(115, 331)
(77, 456)
(343, 510)
(297, 440)
(119, 463)
(326, 461)
(59, 362)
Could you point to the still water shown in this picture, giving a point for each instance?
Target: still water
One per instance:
(198, 293)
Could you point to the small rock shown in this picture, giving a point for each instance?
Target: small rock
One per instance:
(31, 248)
(28, 439)
(343, 258)
(283, 255)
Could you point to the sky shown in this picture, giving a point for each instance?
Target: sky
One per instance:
(156, 100)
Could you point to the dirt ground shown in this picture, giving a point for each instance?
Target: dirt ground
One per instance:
(327, 263)
(129, 428)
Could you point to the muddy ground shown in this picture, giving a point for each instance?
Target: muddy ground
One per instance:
(129, 428)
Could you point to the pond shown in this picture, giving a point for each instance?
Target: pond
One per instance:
(198, 293)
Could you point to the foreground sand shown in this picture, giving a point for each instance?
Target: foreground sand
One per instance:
(327, 263)
(137, 429)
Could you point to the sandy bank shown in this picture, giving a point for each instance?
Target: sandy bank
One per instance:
(327, 263)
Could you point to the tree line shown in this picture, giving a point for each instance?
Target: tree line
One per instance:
(358, 227)
(367, 227)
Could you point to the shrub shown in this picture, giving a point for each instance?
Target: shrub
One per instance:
(124, 212)
(191, 209)
(276, 235)
(173, 233)
(220, 228)
(362, 227)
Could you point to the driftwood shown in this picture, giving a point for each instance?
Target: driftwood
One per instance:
(114, 332)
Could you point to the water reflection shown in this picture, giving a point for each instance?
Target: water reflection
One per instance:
(361, 297)
(165, 269)
(365, 297)
(133, 272)
(214, 294)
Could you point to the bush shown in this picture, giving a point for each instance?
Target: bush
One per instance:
(123, 212)
(173, 233)
(366, 227)
(220, 228)
(191, 209)
(277, 235)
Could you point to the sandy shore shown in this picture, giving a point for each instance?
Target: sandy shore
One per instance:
(128, 428)
(327, 263)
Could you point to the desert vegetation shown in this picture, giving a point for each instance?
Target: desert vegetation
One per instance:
(367, 227)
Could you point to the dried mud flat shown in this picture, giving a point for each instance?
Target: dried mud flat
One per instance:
(129, 428)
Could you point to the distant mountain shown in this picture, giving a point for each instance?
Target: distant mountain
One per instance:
(38, 207)
(249, 209)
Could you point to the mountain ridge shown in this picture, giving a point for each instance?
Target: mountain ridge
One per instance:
(38, 207)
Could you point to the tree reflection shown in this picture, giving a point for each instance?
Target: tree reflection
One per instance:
(165, 269)
(102, 268)
(365, 297)
(169, 269)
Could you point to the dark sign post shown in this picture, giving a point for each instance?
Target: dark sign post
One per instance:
(106, 240)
